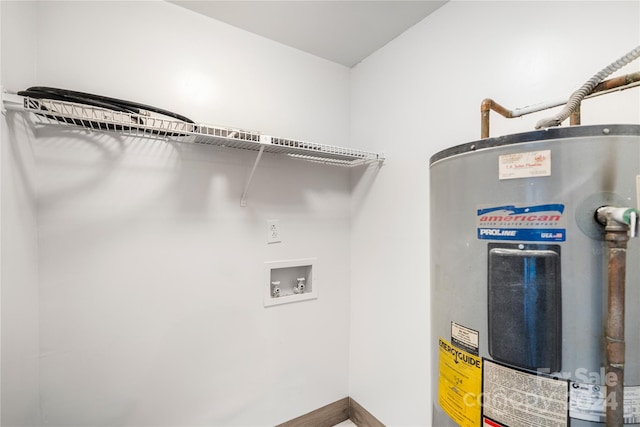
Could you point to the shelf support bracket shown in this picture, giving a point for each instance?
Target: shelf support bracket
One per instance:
(11, 101)
(243, 199)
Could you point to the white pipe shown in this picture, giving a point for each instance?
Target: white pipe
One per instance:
(517, 112)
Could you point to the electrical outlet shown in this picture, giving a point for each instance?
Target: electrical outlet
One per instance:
(273, 231)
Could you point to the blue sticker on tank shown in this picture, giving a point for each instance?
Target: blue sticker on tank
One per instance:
(532, 223)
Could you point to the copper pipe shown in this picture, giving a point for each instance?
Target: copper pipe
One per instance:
(485, 109)
(617, 83)
(574, 119)
(616, 238)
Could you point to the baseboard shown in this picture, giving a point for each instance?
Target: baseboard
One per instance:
(335, 413)
(327, 416)
(361, 417)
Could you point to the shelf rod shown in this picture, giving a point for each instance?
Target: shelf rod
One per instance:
(243, 199)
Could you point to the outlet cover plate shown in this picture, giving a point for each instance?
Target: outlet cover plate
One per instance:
(273, 231)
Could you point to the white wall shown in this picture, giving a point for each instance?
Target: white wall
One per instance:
(420, 94)
(150, 273)
(18, 231)
(145, 273)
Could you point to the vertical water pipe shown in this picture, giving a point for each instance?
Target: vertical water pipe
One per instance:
(620, 224)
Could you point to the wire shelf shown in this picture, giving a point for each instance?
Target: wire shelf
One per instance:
(61, 113)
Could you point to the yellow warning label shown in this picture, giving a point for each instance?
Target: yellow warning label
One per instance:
(459, 384)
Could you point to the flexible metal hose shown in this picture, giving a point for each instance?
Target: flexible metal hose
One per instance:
(43, 92)
(577, 97)
(113, 104)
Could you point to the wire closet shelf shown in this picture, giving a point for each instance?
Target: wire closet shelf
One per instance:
(62, 113)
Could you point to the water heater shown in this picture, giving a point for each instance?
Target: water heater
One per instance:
(521, 278)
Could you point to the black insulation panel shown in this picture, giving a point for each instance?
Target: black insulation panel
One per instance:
(524, 307)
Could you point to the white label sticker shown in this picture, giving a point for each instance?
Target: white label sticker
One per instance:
(638, 191)
(524, 165)
(464, 337)
(587, 402)
(520, 399)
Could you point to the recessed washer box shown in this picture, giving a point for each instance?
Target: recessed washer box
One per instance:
(287, 275)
